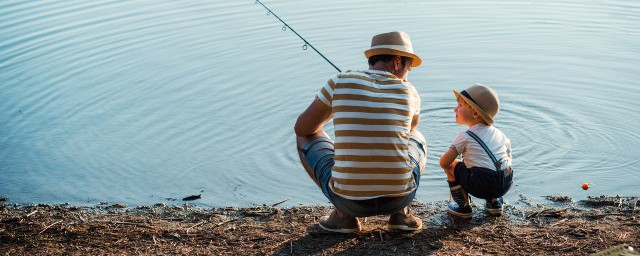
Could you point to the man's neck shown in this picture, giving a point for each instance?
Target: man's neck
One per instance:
(475, 122)
(380, 67)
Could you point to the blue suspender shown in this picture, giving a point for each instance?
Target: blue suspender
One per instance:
(486, 149)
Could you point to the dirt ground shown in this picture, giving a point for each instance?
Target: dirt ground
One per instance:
(561, 227)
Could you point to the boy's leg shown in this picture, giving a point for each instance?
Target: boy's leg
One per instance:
(461, 204)
(451, 177)
(494, 206)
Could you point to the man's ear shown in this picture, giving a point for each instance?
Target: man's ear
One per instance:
(397, 62)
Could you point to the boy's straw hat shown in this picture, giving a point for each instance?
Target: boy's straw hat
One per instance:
(393, 43)
(483, 99)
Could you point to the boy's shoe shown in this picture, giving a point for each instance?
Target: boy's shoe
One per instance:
(403, 220)
(459, 211)
(494, 207)
(460, 205)
(338, 224)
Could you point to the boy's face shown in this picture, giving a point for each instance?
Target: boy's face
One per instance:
(464, 113)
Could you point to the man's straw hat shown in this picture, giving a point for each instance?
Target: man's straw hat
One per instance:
(393, 43)
(483, 99)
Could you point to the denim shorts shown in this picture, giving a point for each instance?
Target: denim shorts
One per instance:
(482, 182)
(319, 154)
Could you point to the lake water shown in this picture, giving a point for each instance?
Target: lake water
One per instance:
(138, 101)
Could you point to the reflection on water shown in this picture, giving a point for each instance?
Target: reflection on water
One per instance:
(136, 101)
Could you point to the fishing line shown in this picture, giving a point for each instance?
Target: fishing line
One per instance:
(306, 43)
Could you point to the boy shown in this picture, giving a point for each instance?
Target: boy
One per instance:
(485, 171)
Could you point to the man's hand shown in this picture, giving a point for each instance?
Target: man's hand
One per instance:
(313, 119)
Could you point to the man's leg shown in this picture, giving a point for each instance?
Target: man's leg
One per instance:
(423, 161)
(301, 141)
(403, 219)
(337, 221)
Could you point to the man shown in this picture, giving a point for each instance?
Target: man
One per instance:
(375, 164)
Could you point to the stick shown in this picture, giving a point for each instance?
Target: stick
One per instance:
(227, 221)
(563, 220)
(49, 226)
(278, 203)
(82, 220)
(133, 224)
(31, 213)
(200, 223)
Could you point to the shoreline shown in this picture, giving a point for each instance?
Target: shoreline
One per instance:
(562, 226)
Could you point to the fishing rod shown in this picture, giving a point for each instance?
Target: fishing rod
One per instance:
(306, 43)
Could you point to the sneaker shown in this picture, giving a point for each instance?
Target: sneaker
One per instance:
(403, 220)
(494, 207)
(338, 224)
(458, 211)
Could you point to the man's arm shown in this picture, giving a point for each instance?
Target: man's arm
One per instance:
(313, 119)
(414, 122)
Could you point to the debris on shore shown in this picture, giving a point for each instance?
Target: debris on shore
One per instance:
(560, 198)
(579, 228)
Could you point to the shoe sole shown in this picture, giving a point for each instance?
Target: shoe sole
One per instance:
(494, 212)
(403, 227)
(461, 215)
(340, 230)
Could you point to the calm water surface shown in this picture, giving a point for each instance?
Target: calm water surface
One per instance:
(138, 101)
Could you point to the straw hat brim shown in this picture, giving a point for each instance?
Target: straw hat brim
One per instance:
(384, 51)
(486, 117)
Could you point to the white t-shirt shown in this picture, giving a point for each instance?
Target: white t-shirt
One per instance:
(475, 156)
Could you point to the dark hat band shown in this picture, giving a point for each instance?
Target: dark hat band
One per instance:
(464, 93)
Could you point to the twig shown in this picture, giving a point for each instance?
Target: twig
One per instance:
(278, 203)
(198, 224)
(535, 213)
(257, 213)
(133, 224)
(227, 221)
(31, 213)
(49, 226)
(173, 219)
(605, 214)
(558, 222)
(548, 213)
(82, 220)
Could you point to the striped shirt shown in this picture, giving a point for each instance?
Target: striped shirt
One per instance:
(372, 114)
